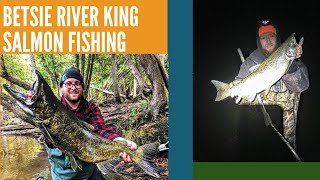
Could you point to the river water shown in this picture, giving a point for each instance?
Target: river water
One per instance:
(22, 157)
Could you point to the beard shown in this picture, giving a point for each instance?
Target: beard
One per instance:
(268, 53)
(73, 97)
(73, 100)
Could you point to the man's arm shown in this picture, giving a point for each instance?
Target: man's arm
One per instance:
(297, 79)
(98, 124)
(110, 133)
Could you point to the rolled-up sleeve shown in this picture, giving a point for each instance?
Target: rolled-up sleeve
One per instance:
(98, 123)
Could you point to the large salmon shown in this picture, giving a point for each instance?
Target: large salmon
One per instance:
(72, 135)
(263, 76)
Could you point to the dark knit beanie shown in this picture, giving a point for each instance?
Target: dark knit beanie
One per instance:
(71, 73)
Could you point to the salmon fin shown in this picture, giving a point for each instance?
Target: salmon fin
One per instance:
(109, 165)
(253, 68)
(47, 134)
(238, 100)
(223, 90)
(75, 163)
(266, 91)
(250, 97)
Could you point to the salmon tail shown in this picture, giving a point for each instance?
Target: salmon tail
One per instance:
(148, 151)
(148, 168)
(110, 166)
(144, 160)
(223, 90)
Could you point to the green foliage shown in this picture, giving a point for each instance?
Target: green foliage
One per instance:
(148, 132)
(138, 108)
(124, 74)
(54, 63)
(48, 64)
(101, 74)
(124, 133)
(145, 104)
(134, 112)
(17, 67)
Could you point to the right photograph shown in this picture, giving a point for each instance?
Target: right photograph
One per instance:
(255, 87)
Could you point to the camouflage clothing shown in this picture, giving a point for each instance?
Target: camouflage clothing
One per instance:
(285, 93)
(289, 102)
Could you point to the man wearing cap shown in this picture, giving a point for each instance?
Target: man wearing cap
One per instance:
(286, 92)
(71, 86)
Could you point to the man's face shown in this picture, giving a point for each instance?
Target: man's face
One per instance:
(72, 89)
(268, 42)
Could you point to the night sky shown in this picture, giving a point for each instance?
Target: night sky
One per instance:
(224, 131)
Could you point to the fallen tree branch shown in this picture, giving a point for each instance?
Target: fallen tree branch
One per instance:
(107, 92)
(21, 132)
(16, 127)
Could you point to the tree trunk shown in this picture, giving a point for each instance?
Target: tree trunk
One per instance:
(52, 73)
(77, 60)
(142, 85)
(32, 65)
(89, 74)
(1, 107)
(134, 87)
(55, 76)
(83, 58)
(161, 63)
(86, 77)
(115, 80)
(5, 75)
(159, 98)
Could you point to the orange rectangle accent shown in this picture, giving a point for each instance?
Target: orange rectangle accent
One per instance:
(76, 27)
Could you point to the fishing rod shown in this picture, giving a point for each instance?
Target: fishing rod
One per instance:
(269, 123)
(266, 116)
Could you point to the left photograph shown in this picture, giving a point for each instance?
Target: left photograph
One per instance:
(84, 90)
(87, 116)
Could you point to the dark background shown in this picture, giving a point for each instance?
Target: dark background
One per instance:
(224, 131)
